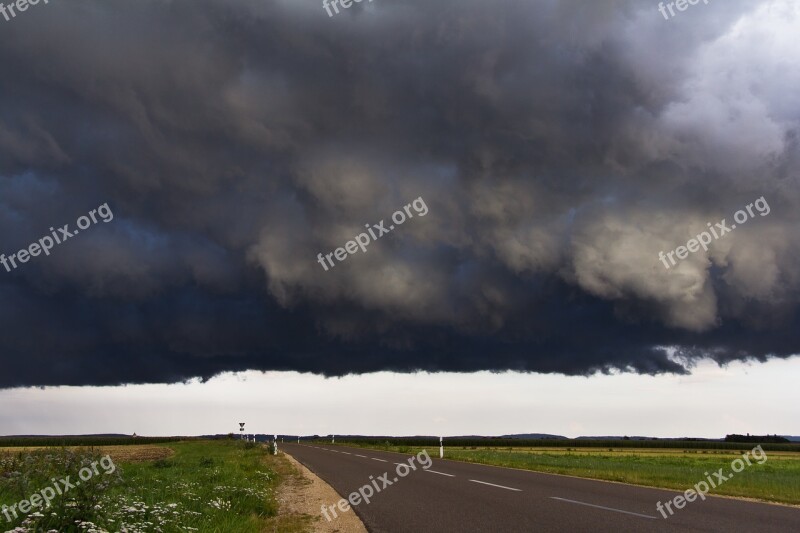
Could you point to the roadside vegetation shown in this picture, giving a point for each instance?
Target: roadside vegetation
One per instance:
(206, 486)
(776, 480)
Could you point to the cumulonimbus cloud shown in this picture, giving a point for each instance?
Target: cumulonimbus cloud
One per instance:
(558, 147)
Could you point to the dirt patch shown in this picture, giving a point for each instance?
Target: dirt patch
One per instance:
(304, 493)
(119, 454)
(136, 453)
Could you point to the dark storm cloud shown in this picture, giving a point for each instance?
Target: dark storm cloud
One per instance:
(559, 146)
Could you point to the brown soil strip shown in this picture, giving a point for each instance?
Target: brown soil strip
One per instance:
(304, 493)
(134, 453)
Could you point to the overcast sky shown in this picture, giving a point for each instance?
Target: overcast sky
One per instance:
(557, 147)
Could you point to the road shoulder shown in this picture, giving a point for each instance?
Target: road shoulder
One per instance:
(304, 494)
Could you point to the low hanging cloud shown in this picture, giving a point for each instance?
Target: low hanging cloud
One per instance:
(558, 146)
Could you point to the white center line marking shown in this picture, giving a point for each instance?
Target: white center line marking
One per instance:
(601, 507)
(348, 453)
(440, 473)
(493, 485)
(381, 460)
(364, 456)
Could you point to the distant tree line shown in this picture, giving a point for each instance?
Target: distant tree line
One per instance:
(495, 442)
(85, 441)
(775, 439)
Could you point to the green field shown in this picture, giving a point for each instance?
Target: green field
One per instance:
(776, 480)
(214, 486)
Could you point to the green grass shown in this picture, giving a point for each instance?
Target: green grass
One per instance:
(207, 486)
(776, 480)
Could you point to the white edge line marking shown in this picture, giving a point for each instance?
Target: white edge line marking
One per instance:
(381, 460)
(601, 507)
(493, 485)
(364, 456)
(440, 473)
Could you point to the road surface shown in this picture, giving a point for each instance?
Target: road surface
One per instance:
(452, 496)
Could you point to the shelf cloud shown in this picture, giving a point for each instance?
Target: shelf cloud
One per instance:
(559, 147)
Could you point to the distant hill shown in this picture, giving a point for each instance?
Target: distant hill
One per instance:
(104, 435)
(532, 436)
(615, 437)
(639, 437)
(792, 438)
(773, 439)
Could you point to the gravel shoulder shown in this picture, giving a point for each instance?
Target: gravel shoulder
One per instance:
(304, 494)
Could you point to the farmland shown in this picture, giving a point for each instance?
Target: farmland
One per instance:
(180, 486)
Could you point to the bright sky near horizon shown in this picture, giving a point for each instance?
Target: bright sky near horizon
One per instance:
(712, 401)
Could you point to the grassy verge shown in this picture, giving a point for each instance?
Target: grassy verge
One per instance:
(208, 486)
(776, 480)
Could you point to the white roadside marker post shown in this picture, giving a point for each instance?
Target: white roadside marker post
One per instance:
(333, 439)
(441, 448)
(275, 449)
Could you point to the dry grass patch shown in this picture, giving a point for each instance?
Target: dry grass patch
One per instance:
(119, 454)
(136, 453)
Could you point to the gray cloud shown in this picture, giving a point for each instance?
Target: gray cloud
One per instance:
(559, 147)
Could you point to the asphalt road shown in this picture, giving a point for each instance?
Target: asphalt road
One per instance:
(451, 496)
